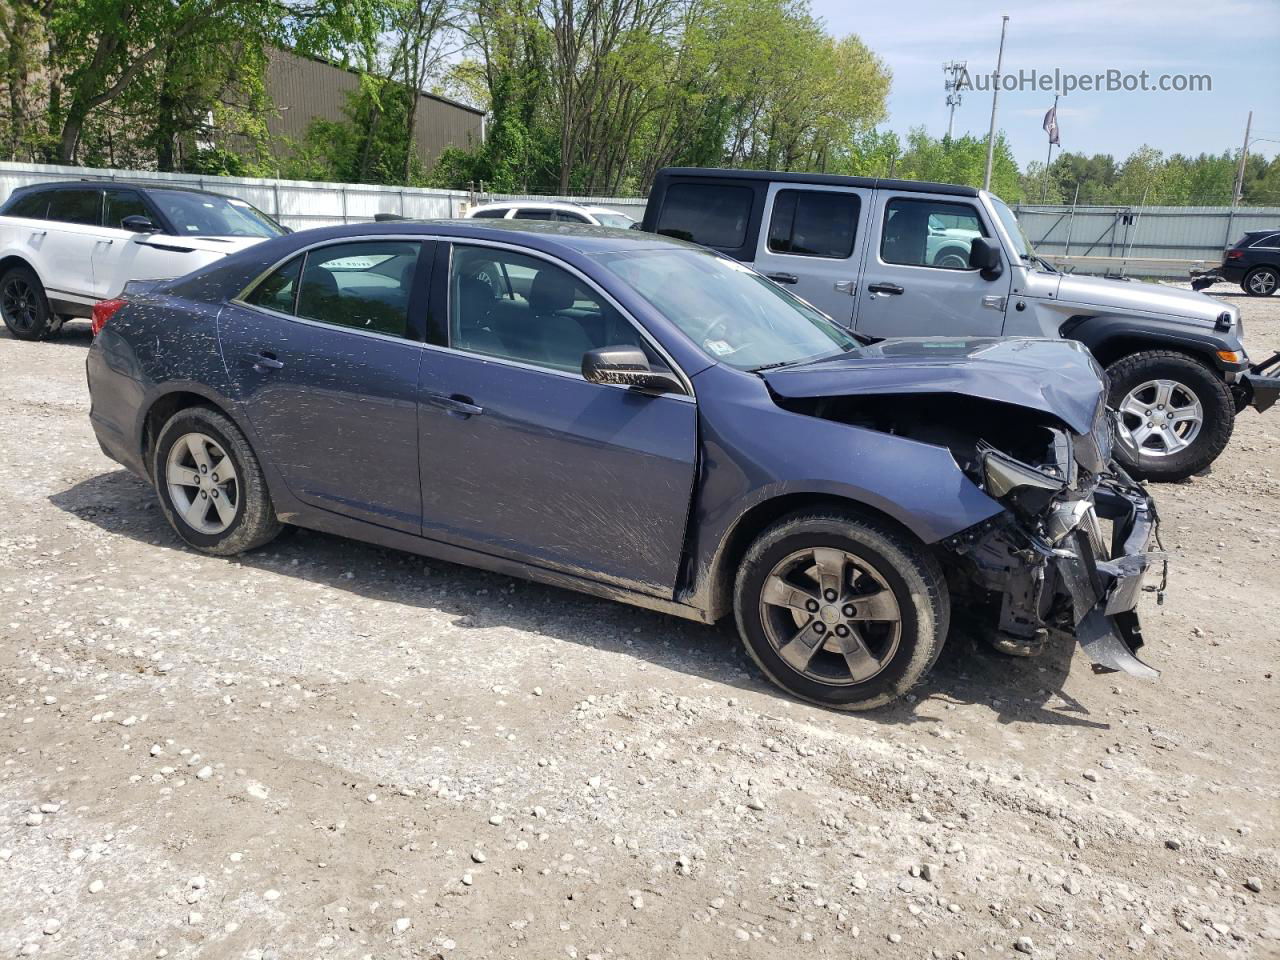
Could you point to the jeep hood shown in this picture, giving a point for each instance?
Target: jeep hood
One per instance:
(1057, 377)
(1134, 295)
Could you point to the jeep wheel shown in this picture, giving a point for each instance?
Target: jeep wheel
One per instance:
(841, 611)
(1261, 282)
(1177, 412)
(23, 304)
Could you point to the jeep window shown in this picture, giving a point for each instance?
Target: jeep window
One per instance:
(813, 223)
(714, 215)
(1021, 245)
(929, 233)
(729, 311)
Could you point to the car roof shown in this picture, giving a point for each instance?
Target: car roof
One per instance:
(547, 204)
(545, 235)
(820, 179)
(130, 184)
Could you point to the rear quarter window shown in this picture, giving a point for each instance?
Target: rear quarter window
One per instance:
(33, 205)
(712, 214)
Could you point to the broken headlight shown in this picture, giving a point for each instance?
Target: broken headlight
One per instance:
(1019, 483)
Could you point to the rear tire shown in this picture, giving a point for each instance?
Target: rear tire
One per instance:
(222, 514)
(1156, 460)
(24, 306)
(1261, 281)
(840, 610)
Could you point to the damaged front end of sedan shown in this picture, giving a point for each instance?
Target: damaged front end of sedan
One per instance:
(1069, 556)
(1077, 539)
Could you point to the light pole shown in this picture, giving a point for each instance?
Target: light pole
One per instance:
(1238, 193)
(995, 96)
(955, 70)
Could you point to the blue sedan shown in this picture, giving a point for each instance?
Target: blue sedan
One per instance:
(635, 418)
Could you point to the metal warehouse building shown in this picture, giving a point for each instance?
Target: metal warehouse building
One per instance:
(303, 88)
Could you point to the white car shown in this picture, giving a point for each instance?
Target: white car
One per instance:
(66, 246)
(562, 210)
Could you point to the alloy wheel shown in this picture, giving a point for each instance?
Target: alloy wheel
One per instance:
(1262, 283)
(202, 483)
(20, 305)
(831, 616)
(1163, 417)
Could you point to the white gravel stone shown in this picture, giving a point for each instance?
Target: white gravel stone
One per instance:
(205, 772)
(401, 925)
(271, 895)
(96, 886)
(52, 926)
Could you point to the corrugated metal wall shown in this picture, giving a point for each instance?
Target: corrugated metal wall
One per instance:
(1172, 233)
(302, 89)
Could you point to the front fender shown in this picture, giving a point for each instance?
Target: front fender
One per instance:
(1105, 334)
(754, 452)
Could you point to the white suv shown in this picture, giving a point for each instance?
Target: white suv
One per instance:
(66, 246)
(560, 210)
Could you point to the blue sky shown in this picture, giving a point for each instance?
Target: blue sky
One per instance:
(1237, 42)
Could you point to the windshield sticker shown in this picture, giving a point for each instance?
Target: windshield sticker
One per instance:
(719, 347)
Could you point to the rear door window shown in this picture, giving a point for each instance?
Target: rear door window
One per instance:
(813, 223)
(364, 286)
(532, 213)
(279, 291)
(564, 216)
(76, 206)
(33, 205)
(714, 215)
(1271, 241)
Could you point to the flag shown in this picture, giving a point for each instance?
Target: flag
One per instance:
(1051, 125)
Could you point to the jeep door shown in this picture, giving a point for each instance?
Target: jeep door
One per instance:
(916, 280)
(812, 241)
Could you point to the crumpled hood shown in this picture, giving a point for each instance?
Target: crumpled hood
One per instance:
(223, 245)
(1058, 377)
(1135, 295)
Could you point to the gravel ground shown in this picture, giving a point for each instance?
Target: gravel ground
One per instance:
(324, 749)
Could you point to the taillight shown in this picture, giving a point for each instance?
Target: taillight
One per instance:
(103, 311)
(1234, 254)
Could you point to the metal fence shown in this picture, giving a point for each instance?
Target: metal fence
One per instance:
(1150, 241)
(298, 204)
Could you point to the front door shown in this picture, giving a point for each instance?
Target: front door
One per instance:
(812, 242)
(324, 355)
(917, 281)
(524, 458)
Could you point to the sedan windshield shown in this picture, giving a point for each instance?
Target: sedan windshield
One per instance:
(204, 215)
(731, 312)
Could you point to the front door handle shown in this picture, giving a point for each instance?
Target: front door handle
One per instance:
(783, 277)
(456, 403)
(264, 361)
(892, 288)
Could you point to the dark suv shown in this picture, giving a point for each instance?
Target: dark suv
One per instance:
(1254, 263)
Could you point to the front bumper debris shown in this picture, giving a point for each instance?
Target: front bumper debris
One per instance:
(1073, 583)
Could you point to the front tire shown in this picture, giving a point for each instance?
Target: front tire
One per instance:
(24, 306)
(210, 485)
(1261, 281)
(840, 610)
(1178, 413)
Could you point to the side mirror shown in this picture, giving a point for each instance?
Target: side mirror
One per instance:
(628, 367)
(137, 223)
(984, 255)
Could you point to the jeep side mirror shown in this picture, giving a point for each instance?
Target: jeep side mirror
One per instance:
(628, 367)
(984, 256)
(137, 223)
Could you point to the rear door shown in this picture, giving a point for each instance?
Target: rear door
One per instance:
(916, 280)
(73, 241)
(324, 357)
(812, 242)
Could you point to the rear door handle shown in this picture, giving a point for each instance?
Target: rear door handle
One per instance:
(455, 403)
(783, 277)
(264, 361)
(892, 288)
